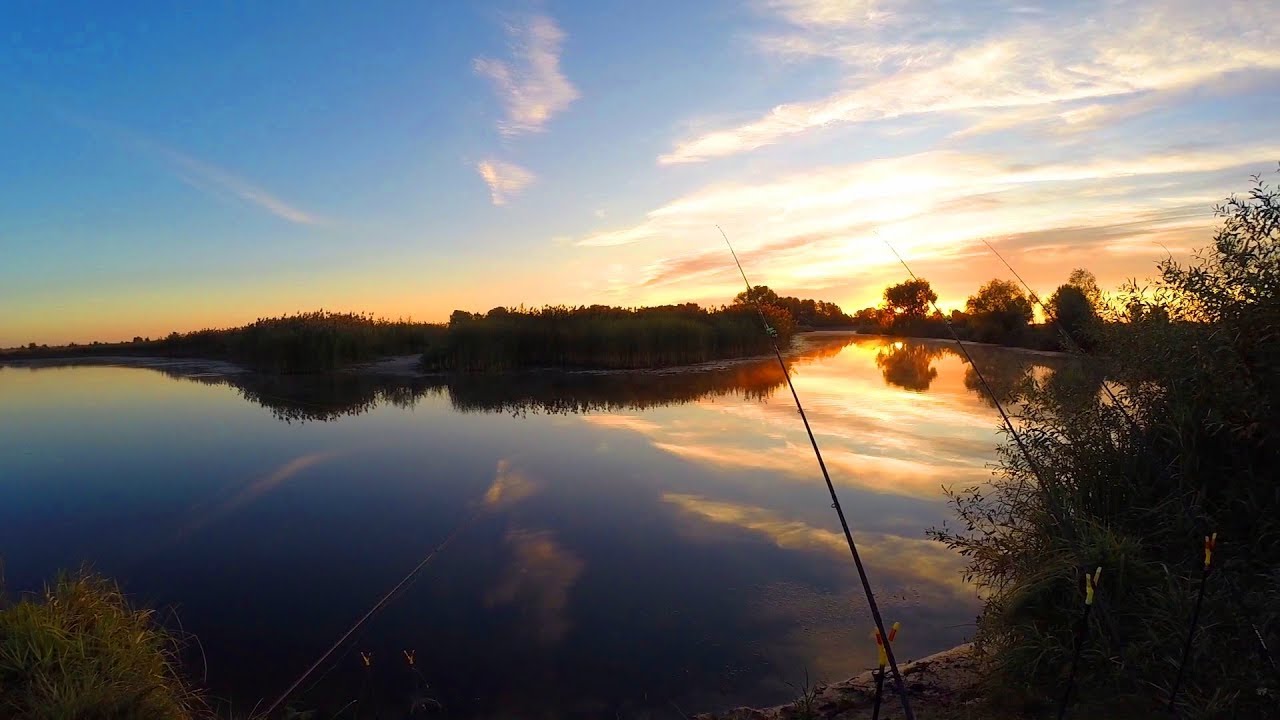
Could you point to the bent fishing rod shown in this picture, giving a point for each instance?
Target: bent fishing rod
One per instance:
(899, 685)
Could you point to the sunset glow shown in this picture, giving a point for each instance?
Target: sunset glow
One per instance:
(175, 171)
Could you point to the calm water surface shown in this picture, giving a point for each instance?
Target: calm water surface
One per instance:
(635, 543)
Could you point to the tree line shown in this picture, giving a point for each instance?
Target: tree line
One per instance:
(999, 313)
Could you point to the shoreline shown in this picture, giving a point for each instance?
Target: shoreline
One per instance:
(942, 686)
(407, 366)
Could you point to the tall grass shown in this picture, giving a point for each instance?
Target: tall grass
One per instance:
(603, 337)
(79, 651)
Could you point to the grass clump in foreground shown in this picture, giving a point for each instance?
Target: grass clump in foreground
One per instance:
(1194, 360)
(79, 651)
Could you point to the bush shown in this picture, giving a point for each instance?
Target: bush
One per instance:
(1192, 448)
(80, 652)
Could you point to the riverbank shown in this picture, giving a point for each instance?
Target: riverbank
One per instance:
(943, 686)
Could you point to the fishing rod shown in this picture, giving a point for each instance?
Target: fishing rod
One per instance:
(1076, 347)
(1072, 344)
(1004, 416)
(404, 582)
(899, 685)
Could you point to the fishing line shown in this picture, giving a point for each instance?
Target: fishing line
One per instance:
(831, 488)
(1004, 416)
(1072, 344)
(373, 610)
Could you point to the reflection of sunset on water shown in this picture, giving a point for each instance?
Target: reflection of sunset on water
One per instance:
(881, 427)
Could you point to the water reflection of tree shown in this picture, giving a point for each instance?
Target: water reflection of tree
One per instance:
(330, 396)
(909, 365)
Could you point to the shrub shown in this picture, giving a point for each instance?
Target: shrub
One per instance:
(1192, 448)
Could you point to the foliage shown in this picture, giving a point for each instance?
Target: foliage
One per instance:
(807, 312)
(81, 652)
(910, 299)
(604, 337)
(999, 313)
(1074, 306)
(1193, 447)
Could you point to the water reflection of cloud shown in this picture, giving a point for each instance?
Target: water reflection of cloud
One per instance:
(257, 488)
(924, 566)
(510, 486)
(537, 581)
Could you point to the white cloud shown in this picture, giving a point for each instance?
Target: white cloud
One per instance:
(531, 86)
(505, 180)
(1032, 68)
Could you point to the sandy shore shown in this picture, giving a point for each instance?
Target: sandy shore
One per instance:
(941, 687)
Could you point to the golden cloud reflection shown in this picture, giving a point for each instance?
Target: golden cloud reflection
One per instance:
(891, 415)
(537, 581)
(509, 487)
(911, 562)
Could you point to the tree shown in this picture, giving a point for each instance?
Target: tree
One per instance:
(1074, 305)
(910, 299)
(759, 294)
(459, 316)
(999, 313)
(1070, 307)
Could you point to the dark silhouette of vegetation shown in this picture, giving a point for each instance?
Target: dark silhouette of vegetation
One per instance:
(305, 342)
(1075, 305)
(1192, 448)
(602, 337)
(910, 299)
(80, 651)
(999, 313)
(807, 313)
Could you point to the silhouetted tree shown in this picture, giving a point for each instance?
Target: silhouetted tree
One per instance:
(999, 313)
(911, 298)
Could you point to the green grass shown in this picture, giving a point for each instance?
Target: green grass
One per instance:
(80, 652)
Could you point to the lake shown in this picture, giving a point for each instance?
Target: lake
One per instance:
(622, 544)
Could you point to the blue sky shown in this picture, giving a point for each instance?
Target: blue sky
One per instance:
(168, 167)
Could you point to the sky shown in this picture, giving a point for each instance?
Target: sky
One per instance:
(174, 166)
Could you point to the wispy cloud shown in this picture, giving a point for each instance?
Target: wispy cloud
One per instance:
(820, 228)
(202, 175)
(212, 178)
(530, 86)
(1066, 65)
(505, 180)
